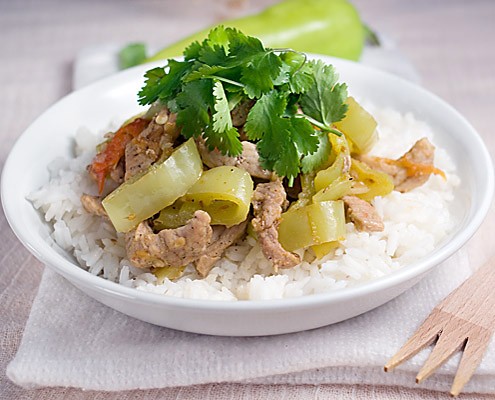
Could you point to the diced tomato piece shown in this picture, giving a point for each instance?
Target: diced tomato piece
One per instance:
(114, 150)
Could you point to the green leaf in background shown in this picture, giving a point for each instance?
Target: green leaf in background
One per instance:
(131, 55)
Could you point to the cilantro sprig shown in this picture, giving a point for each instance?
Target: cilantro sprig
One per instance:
(296, 101)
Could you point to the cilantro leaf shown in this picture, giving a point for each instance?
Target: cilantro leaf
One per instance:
(325, 99)
(301, 80)
(283, 140)
(259, 66)
(213, 55)
(193, 106)
(297, 72)
(226, 141)
(215, 47)
(259, 74)
(283, 76)
(260, 116)
(223, 136)
(204, 71)
(153, 86)
(266, 124)
(303, 135)
(244, 47)
(274, 146)
(221, 36)
(163, 85)
(288, 165)
(222, 120)
(192, 51)
(315, 161)
(228, 68)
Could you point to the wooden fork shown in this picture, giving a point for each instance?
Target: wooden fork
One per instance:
(464, 320)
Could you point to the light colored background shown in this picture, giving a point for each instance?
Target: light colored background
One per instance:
(451, 43)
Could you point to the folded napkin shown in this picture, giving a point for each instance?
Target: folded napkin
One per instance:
(72, 340)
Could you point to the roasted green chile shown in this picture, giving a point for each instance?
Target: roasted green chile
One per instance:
(330, 27)
(161, 185)
(223, 192)
(314, 224)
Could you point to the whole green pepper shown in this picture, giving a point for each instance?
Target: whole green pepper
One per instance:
(330, 27)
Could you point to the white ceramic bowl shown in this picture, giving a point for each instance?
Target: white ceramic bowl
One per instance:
(115, 97)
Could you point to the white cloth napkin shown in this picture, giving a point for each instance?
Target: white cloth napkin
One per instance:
(72, 340)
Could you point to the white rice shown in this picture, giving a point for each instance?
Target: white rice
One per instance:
(243, 273)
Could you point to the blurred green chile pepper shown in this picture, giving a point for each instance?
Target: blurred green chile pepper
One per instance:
(330, 27)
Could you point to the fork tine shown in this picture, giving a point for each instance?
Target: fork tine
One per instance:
(426, 334)
(473, 353)
(449, 342)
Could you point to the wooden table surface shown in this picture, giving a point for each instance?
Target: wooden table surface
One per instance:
(450, 42)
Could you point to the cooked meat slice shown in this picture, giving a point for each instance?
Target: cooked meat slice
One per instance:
(362, 214)
(240, 112)
(268, 202)
(143, 150)
(422, 152)
(221, 239)
(169, 247)
(409, 171)
(248, 160)
(153, 143)
(418, 162)
(118, 172)
(92, 204)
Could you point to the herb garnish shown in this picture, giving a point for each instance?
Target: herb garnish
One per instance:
(295, 101)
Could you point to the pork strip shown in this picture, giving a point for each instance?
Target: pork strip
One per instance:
(117, 174)
(240, 112)
(221, 239)
(409, 171)
(169, 247)
(92, 204)
(248, 160)
(362, 214)
(268, 202)
(153, 143)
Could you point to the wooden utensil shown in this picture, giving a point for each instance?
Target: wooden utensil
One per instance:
(464, 320)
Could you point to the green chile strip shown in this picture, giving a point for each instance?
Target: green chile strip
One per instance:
(142, 197)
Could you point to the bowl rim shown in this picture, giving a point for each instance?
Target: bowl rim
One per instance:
(49, 256)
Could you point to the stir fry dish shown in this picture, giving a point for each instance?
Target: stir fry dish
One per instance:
(238, 140)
